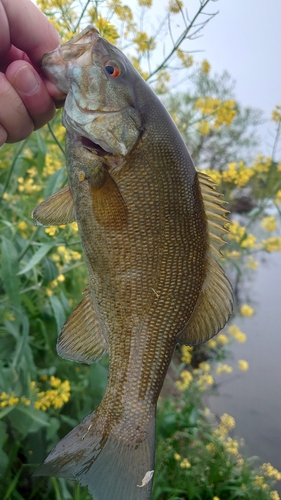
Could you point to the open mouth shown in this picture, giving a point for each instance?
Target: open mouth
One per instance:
(91, 146)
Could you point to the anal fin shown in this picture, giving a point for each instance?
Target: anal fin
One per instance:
(81, 338)
(56, 210)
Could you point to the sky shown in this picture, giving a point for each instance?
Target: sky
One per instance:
(245, 39)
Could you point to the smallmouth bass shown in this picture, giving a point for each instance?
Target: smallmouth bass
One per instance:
(151, 229)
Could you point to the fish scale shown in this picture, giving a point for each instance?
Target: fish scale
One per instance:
(151, 229)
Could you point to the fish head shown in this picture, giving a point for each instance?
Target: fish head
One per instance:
(101, 104)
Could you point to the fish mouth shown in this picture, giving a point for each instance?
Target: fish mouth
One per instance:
(93, 147)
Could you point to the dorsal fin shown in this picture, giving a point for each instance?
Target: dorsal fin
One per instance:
(56, 210)
(81, 338)
(214, 304)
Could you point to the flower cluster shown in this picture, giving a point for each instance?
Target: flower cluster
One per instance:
(56, 397)
(215, 113)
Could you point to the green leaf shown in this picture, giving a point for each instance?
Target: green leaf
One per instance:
(55, 182)
(9, 269)
(58, 311)
(39, 254)
(4, 460)
(26, 419)
(12, 485)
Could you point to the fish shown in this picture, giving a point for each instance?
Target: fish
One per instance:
(151, 229)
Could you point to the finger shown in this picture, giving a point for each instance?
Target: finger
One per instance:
(3, 135)
(14, 117)
(32, 91)
(29, 29)
(57, 95)
(14, 54)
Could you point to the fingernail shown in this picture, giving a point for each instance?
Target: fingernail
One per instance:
(25, 81)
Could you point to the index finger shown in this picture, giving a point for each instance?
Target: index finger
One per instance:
(27, 28)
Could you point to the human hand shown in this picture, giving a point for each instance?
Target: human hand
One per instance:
(27, 98)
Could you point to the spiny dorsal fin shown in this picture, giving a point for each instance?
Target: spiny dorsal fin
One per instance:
(56, 210)
(214, 304)
(81, 338)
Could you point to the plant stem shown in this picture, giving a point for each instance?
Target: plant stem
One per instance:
(21, 147)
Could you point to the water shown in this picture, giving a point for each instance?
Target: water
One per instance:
(253, 398)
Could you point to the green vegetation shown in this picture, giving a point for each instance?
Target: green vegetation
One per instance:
(42, 276)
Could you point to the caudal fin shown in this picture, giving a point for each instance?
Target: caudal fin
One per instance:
(113, 466)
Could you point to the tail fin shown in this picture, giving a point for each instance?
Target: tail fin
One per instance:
(112, 466)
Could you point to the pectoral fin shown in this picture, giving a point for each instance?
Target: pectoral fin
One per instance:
(214, 304)
(108, 203)
(56, 210)
(81, 338)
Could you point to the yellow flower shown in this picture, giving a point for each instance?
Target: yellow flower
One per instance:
(204, 127)
(234, 254)
(8, 399)
(22, 225)
(221, 112)
(232, 446)
(185, 58)
(246, 310)
(269, 223)
(205, 367)
(55, 397)
(274, 495)
(177, 456)
(224, 369)
(227, 424)
(277, 198)
(205, 67)
(214, 174)
(236, 232)
(185, 464)
(259, 480)
(25, 401)
(107, 29)
(249, 241)
(52, 164)
(162, 78)
(272, 244)
(145, 3)
(262, 164)
(222, 338)
(27, 185)
(52, 230)
(269, 471)
(144, 42)
(252, 264)
(123, 12)
(243, 365)
(216, 498)
(212, 343)
(186, 354)
(175, 6)
(276, 114)
(235, 331)
(204, 381)
(187, 378)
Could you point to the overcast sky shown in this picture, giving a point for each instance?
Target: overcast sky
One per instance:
(245, 39)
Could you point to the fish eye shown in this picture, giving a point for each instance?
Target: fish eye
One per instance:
(112, 69)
